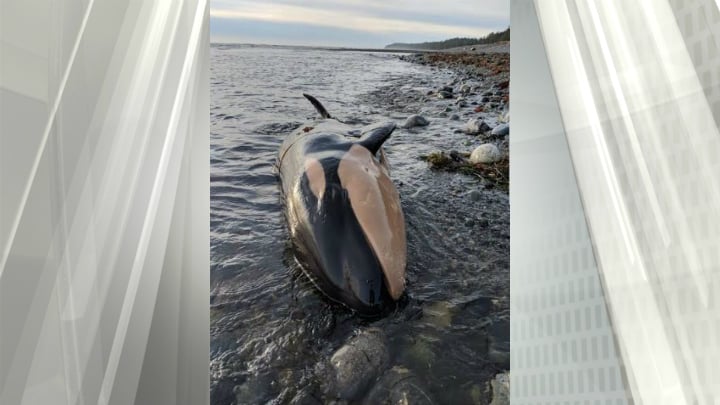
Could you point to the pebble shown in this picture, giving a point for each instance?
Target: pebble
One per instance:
(415, 120)
(501, 130)
(360, 361)
(445, 94)
(476, 126)
(455, 117)
(485, 153)
(475, 195)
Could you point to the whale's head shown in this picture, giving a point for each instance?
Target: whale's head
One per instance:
(348, 224)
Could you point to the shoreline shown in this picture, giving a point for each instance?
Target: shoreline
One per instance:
(474, 102)
(501, 47)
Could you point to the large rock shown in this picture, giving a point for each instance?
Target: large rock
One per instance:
(501, 130)
(398, 386)
(476, 126)
(359, 362)
(415, 121)
(485, 153)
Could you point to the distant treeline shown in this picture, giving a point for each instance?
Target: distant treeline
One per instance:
(456, 42)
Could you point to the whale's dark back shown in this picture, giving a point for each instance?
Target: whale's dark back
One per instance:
(344, 217)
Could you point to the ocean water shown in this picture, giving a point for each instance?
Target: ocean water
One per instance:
(270, 329)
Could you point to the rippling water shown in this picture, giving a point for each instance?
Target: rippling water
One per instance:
(269, 326)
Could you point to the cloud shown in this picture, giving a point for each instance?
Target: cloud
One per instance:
(437, 19)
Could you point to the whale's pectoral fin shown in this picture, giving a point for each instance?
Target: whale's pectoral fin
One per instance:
(375, 135)
(319, 107)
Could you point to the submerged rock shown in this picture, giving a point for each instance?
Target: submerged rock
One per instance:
(439, 314)
(485, 153)
(398, 386)
(476, 126)
(501, 130)
(359, 362)
(499, 343)
(420, 355)
(415, 120)
(445, 94)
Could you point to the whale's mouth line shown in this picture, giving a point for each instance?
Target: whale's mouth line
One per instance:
(316, 285)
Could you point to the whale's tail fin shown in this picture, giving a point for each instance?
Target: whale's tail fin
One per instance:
(373, 136)
(319, 107)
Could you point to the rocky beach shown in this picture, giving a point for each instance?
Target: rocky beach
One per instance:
(274, 339)
(469, 100)
(478, 96)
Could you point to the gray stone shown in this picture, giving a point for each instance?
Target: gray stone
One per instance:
(485, 153)
(476, 126)
(501, 130)
(415, 120)
(359, 362)
(455, 117)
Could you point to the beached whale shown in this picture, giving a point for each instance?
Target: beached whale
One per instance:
(343, 211)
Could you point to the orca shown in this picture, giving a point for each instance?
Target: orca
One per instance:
(343, 211)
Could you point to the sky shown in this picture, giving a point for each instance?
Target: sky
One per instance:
(353, 23)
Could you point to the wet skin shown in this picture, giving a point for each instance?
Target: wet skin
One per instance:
(343, 213)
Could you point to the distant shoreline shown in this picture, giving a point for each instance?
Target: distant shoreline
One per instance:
(322, 48)
(500, 47)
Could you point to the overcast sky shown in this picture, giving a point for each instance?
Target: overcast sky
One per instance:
(353, 23)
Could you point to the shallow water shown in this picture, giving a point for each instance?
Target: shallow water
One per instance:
(269, 327)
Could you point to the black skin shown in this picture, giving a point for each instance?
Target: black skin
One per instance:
(328, 241)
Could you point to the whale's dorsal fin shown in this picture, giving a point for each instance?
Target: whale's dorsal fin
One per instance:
(319, 107)
(374, 136)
